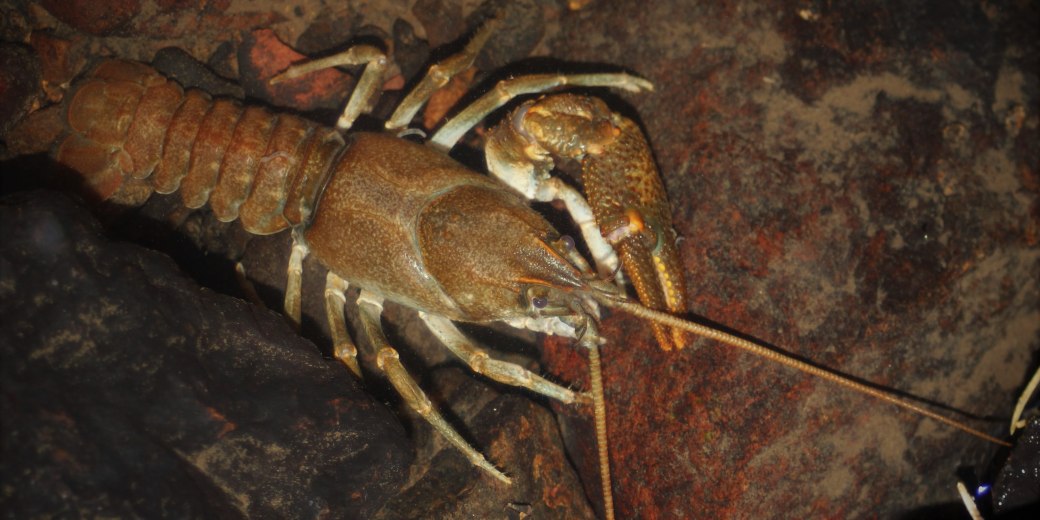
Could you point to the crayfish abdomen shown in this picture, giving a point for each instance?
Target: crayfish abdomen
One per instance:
(129, 132)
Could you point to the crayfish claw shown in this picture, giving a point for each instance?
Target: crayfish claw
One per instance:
(626, 211)
(630, 204)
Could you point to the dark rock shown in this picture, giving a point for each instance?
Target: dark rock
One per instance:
(19, 84)
(1017, 487)
(521, 26)
(520, 438)
(337, 31)
(130, 391)
(100, 18)
(177, 64)
(441, 20)
(411, 53)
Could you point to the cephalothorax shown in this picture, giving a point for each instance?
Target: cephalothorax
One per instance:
(406, 223)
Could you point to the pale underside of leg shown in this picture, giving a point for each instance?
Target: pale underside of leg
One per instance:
(294, 278)
(335, 299)
(248, 289)
(603, 254)
(506, 90)
(537, 185)
(501, 371)
(370, 307)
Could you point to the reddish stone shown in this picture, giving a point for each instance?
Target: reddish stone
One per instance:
(97, 17)
(827, 208)
(262, 56)
(57, 65)
(443, 100)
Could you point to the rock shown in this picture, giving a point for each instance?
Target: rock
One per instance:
(1016, 488)
(100, 18)
(518, 436)
(866, 201)
(19, 83)
(262, 56)
(181, 67)
(130, 391)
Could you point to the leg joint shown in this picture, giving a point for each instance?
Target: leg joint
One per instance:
(385, 356)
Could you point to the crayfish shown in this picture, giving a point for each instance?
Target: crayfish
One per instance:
(406, 223)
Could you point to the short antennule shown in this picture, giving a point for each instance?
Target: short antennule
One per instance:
(651, 315)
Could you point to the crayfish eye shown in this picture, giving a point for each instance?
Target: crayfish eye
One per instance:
(568, 242)
(537, 297)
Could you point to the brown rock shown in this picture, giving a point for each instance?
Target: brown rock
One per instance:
(97, 17)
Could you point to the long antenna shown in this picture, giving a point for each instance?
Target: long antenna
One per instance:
(600, 417)
(760, 350)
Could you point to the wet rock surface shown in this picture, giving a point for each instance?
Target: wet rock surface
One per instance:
(859, 187)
